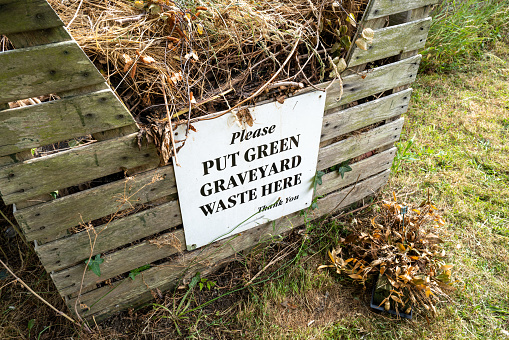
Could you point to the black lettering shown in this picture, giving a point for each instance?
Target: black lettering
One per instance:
(248, 135)
(272, 128)
(266, 189)
(235, 135)
(295, 140)
(219, 184)
(262, 149)
(232, 201)
(242, 179)
(277, 186)
(273, 147)
(232, 183)
(296, 160)
(273, 169)
(297, 179)
(206, 166)
(252, 175)
(287, 182)
(206, 192)
(248, 156)
(283, 146)
(262, 170)
(284, 164)
(252, 194)
(208, 208)
(220, 205)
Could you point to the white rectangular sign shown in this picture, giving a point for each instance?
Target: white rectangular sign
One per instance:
(232, 179)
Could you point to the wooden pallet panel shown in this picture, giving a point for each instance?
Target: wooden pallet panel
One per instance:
(50, 122)
(78, 207)
(26, 15)
(67, 251)
(393, 40)
(359, 144)
(43, 175)
(382, 8)
(339, 122)
(122, 261)
(376, 80)
(40, 223)
(45, 69)
(68, 280)
(127, 292)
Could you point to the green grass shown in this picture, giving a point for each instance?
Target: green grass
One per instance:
(462, 31)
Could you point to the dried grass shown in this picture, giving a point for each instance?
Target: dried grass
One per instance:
(216, 52)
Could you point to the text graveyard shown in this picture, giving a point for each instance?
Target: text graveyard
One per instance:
(232, 179)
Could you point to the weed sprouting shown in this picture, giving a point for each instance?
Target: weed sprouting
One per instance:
(403, 154)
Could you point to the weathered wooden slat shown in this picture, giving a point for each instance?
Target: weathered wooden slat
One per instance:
(43, 175)
(37, 125)
(67, 280)
(26, 15)
(39, 37)
(377, 80)
(338, 122)
(40, 70)
(381, 8)
(64, 252)
(360, 171)
(357, 145)
(106, 300)
(391, 41)
(40, 223)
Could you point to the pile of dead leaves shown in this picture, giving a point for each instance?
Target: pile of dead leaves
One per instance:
(401, 245)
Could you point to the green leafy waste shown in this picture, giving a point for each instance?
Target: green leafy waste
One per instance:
(133, 273)
(344, 168)
(94, 264)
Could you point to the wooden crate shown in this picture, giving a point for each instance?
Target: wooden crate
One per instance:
(361, 126)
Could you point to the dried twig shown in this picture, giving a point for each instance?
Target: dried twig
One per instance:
(38, 296)
(172, 137)
(16, 228)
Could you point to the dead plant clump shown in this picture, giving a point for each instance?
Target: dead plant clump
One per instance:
(401, 245)
(210, 55)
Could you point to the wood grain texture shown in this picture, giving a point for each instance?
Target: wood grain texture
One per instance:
(43, 175)
(339, 122)
(381, 8)
(376, 80)
(394, 40)
(67, 251)
(46, 123)
(107, 300)
(128, 258)
(39, 37)
(360, 171)
(359, 144)
(26, 15)
(40, 70)
(41, 222)
(68, 280)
